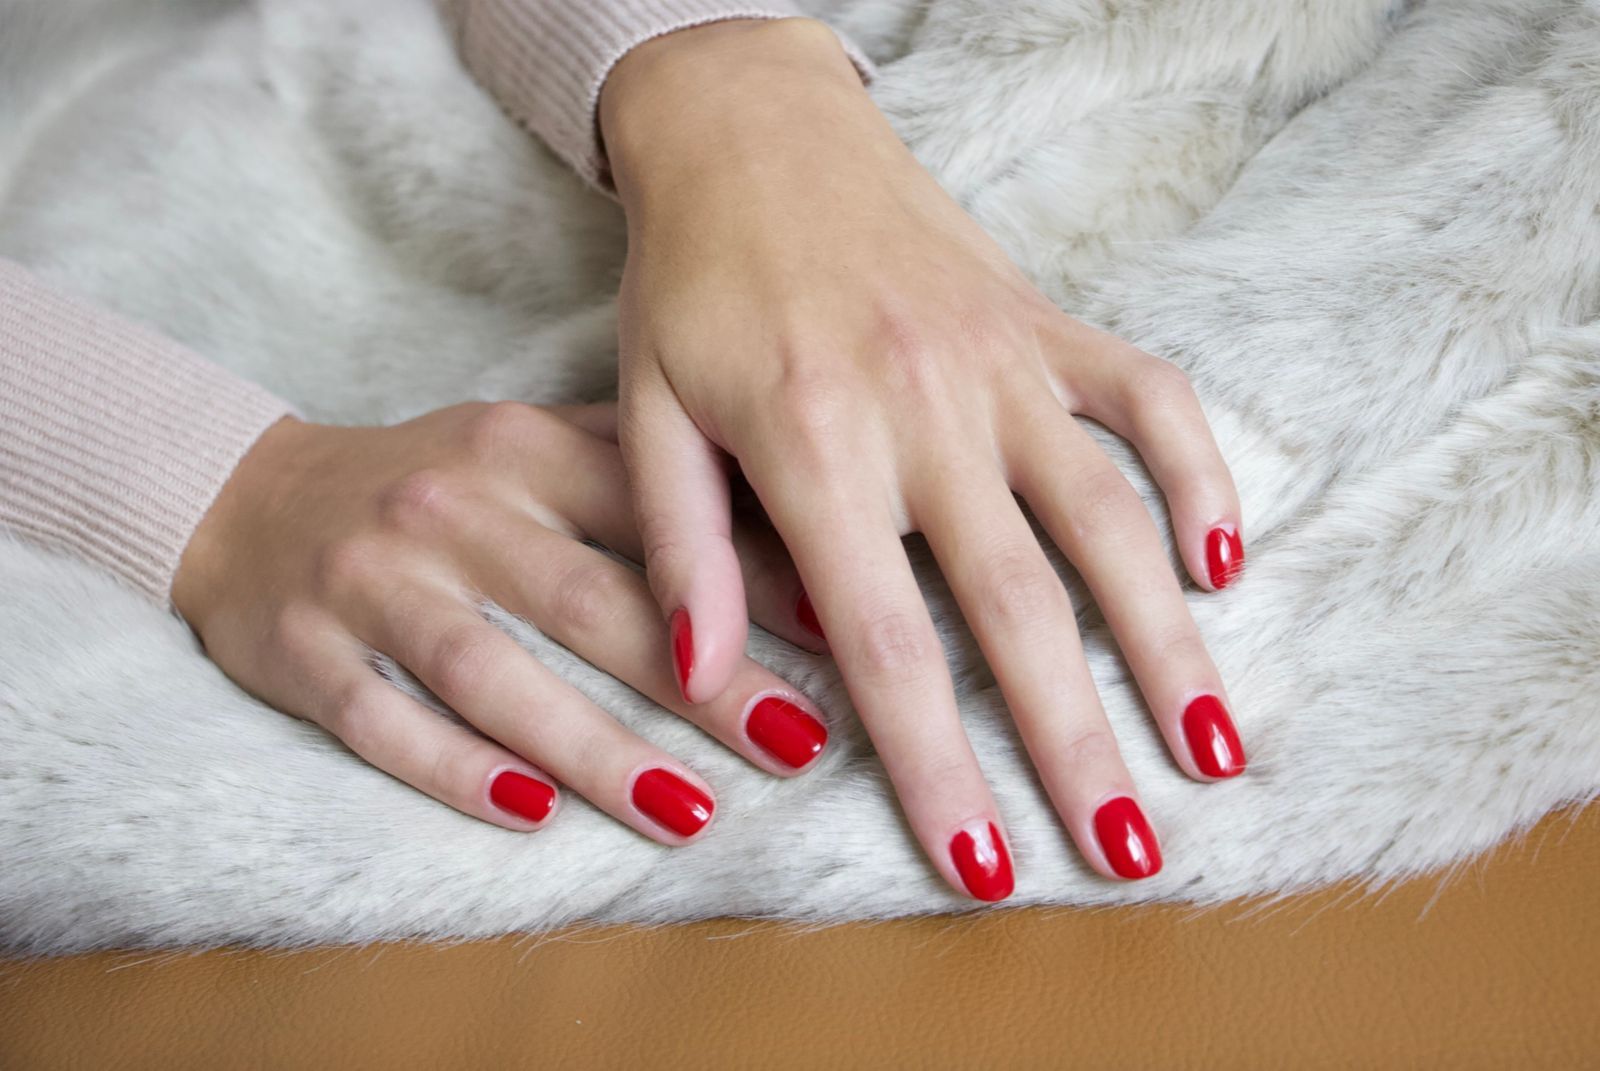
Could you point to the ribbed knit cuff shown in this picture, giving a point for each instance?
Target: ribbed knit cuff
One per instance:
(545, 62)
(114, 441)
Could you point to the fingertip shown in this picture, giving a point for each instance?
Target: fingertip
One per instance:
(1221, 556)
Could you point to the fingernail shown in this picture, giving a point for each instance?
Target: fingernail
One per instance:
(1224, 556)
(672, 801)
(785, 731)
(526, 797)
(983, 862)
(1213, 739)
(807, 615)
(682, 649)
(1127, 839)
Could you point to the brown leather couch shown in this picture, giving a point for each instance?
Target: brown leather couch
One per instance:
(1497, 966)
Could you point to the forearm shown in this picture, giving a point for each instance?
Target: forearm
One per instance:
(114, 440)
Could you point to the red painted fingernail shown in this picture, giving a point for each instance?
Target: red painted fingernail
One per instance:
(1129, 842)
(521, 795)
(672, 801)
(983, 863)
(682, 649)
(1213, 740)
(1224, 556)
(807, 614)
(791, 735)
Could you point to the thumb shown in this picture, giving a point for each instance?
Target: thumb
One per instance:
(679, 483)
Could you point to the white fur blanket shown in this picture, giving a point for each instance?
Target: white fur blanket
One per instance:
(1370, 232)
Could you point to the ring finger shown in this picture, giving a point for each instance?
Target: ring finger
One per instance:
(1022, 618)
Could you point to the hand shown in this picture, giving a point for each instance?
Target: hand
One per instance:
(801, 295)
(329, 543)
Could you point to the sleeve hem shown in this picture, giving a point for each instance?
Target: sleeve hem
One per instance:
(546, 63)
(114, 441)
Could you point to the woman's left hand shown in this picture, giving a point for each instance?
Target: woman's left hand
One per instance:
(801, 296)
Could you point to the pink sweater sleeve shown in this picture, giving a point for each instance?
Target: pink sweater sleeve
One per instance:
(114, 441)
(545, 60)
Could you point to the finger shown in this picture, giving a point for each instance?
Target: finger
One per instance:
(596, 418)
(854, 564)
(1102, 526)
(1022, 618)
(603, 611)
(483, 675)
(681, 504)
(1149, 402)
(599, 506)
(777, 599)
(408, 741)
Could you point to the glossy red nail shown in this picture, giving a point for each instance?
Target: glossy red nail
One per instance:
(807, 615)
(1213, 739)
(1127, 839)
(526, 797)
(1224, 556)
(983, 863)
(672, 801)
(682, 649)
(785, 731)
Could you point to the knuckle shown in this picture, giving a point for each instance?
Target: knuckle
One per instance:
(912, 362)
(1090, 748)
(986, 338)
(451, 773)
(1105, 507)
(939, 766)
(347, 565)
(463, 659)
(1179, 645)
(665, 558)
(895, 646)
(1018, 589)
(588, 598)
(497, 429)
(292, 632)
(1158, 384)
(814, 409)
(980, 329)
(357, 719)
(588, 745)
(422, 499)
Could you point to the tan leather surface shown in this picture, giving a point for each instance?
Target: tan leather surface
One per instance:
(1499, 967)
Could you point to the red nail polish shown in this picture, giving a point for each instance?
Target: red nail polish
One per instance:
(682, 649)
(672, 801)
(1129, 842)
(983, 863)
(521, 795)
(786, 731)
(1213, 740)
(1224, 556)
(807, 615)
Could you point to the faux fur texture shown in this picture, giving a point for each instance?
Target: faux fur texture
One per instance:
(1371, 234)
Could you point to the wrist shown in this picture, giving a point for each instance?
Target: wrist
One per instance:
(206, 558)
(701, 92)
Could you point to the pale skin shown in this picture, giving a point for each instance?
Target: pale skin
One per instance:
(330, 543)
(800, 299)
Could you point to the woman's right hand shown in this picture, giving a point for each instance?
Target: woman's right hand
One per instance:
(330, 543)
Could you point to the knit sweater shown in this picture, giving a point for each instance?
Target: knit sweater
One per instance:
(114, 441)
